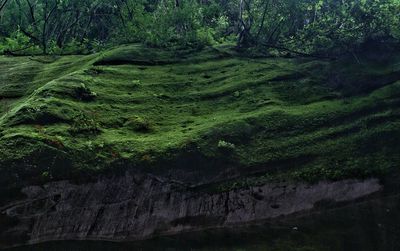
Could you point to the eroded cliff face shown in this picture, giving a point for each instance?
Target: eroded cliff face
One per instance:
(136, 207)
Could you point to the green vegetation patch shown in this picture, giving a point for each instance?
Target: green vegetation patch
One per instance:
(210, 110)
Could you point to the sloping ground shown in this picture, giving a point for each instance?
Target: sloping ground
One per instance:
(197, 116)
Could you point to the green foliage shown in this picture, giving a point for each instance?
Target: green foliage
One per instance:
(17, 41)
(226, 146)
(318, 27)
(83, 93)
(283, 117)
(180, 25)
(84, 124)
(341, 28)
(139, 124)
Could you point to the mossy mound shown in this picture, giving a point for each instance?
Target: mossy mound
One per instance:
(205, 111)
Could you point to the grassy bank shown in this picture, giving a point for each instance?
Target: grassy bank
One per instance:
(134, 107)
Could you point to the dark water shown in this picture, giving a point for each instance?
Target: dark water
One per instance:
(366, 226)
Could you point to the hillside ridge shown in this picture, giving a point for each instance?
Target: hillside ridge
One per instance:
(197, 116)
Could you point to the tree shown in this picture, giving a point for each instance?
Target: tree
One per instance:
(306, 27)
(3, 4)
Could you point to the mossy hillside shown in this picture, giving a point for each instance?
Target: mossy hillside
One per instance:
(137, 107)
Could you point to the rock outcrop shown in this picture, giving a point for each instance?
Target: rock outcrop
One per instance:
(136, 207)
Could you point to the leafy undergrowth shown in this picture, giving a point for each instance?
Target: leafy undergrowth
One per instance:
(134, 107)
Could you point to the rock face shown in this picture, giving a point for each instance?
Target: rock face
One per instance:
(135, 207)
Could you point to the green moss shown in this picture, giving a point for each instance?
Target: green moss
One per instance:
(145, 107)
(138, 124)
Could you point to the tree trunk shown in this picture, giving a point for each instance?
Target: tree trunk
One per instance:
(3, 4)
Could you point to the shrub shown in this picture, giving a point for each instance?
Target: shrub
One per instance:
(83, 93)
(83, 124)
(226, 146)
(138, 124)
(18, 43)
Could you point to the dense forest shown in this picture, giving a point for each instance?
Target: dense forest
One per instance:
(308, 27)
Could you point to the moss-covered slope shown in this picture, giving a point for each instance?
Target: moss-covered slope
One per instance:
(134, 107)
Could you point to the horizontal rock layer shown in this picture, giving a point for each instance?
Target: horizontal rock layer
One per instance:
(136, 207)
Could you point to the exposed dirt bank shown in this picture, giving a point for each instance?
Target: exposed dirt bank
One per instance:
(137, 207)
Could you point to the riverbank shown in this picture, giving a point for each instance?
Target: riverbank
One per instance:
(369, 224)
(136, 142)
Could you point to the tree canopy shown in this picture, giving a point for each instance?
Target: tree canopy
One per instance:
(316, 27)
